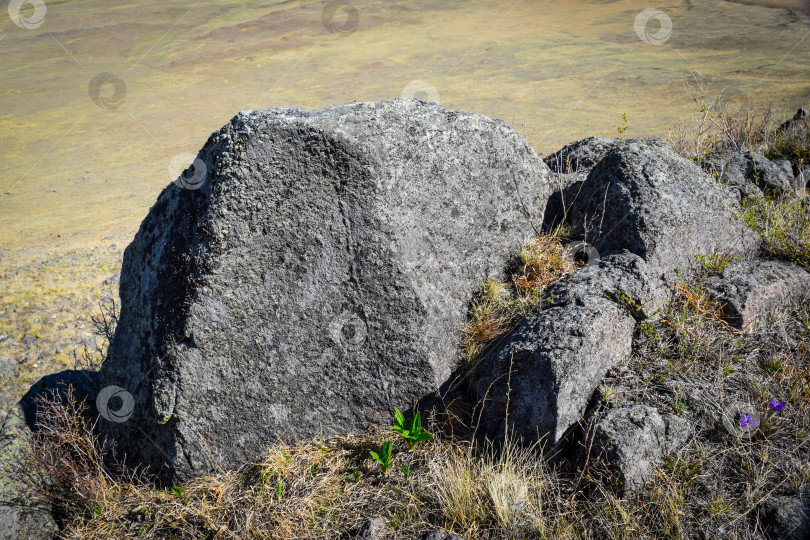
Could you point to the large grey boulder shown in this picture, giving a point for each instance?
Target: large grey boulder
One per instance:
(629, 441)
(753, 291)
(645, 198)
(23, 516)
(751, 174)
(539, 380)
(317, 278)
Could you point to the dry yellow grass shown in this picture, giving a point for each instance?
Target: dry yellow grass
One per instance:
(499, 306)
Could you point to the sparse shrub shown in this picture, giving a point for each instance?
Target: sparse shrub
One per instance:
(792, 143)
(714, 264)
(784, 225)
(63, 463)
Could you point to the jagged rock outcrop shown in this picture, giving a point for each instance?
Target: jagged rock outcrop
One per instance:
(798, 126)
(317, 278)
(648, 211)
(753, 291)
(629, 441)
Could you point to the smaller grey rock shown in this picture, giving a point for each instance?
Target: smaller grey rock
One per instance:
(629, 441)
(440, 535)
(582, 154)
(660, 206)
(372, 529)
(750, 173)
(786, 518)
(622, 277)
(752, 291)
(541, 377)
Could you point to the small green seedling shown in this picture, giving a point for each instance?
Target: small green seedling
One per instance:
(97, 511)
(384, 456)
(278, 490)
(356, 475)
(621, 129)
(406, 471)
(411, 431)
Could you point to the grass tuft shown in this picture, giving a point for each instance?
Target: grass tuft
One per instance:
(500, 306)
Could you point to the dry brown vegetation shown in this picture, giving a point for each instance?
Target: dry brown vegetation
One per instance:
(499, 306)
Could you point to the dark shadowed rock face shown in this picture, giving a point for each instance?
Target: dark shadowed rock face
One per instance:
(645, 198)
(317, 279)
(753, 291)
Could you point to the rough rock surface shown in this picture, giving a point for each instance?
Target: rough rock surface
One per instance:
(750, 173)
(317, 277)
(630, 440)
(645, 198)
(583, 154)
(439, 535)
(621, 277)
(372, 529)
(23, 517)
(786, 518)
(753, 291)
(547, 369)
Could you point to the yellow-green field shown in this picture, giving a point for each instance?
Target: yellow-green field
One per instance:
(76, 178)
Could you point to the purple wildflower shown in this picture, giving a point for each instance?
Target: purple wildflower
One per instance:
(777, 405)
(748, 420)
